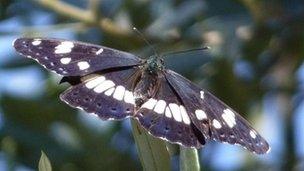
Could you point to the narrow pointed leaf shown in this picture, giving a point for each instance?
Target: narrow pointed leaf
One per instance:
(44, 163)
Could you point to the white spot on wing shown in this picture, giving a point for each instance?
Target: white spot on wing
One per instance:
(175, 112)
(65, 60)
(149, 104)
(229, 118)
(119, 92)
(202, 94)
(168, 113)
(104, 86)
(64, 47)
(109, 92)
(99, 51)
(129, 98)
(253, 134)
(160, 106)
(83, 65)
(200, 114)
(36, 42)
(184, 114)
(216, 124)
(95, 81)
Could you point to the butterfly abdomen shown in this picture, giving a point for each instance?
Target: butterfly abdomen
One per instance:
(145, 88)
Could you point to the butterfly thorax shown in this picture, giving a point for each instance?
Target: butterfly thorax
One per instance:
(149, 81)
(154, 64)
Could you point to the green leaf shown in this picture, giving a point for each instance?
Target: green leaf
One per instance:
(189, 160)
(152, 151)
(44, 163)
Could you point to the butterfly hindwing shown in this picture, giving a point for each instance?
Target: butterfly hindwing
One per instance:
(108, 95)
(73, 58)
(214, 118)
(164, 116)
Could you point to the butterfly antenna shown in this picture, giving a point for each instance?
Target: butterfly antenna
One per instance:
(186, 51)
(146, 41)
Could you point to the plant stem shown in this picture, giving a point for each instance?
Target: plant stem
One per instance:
(152, 151)
(85, 16)
(189, 160)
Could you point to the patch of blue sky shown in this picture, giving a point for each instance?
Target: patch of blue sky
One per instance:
(94, 123)
(299, 130)
(66, 135)
(298, 114)
(243, 70)
(41, 18)
(7, 49)
(273, 128)
(16, 26)
(12, 25)
(122, 140)
(25, 82)
(227, 157)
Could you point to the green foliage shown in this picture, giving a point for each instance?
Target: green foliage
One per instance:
(32, 127)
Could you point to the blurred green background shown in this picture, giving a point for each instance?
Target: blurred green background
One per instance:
(255, 65)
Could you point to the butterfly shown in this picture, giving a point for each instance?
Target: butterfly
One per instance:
(115, 85)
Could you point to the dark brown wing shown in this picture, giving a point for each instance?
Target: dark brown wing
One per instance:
(108, 95)
(164, 116)
(73, 58)
(215, 119)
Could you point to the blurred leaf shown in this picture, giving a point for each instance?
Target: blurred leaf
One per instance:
(9, 147)
(44, 163)
(173, 149)
(229, 89)
(17, 63)
(3, 9)
(152, 151)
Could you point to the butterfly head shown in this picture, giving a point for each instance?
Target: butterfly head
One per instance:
(154, 64)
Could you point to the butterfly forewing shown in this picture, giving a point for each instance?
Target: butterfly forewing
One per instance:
(72, 58)
(108, 95)
(214, 118)
(164, 116)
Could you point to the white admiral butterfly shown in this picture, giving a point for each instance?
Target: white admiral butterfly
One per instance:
(115, 85)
